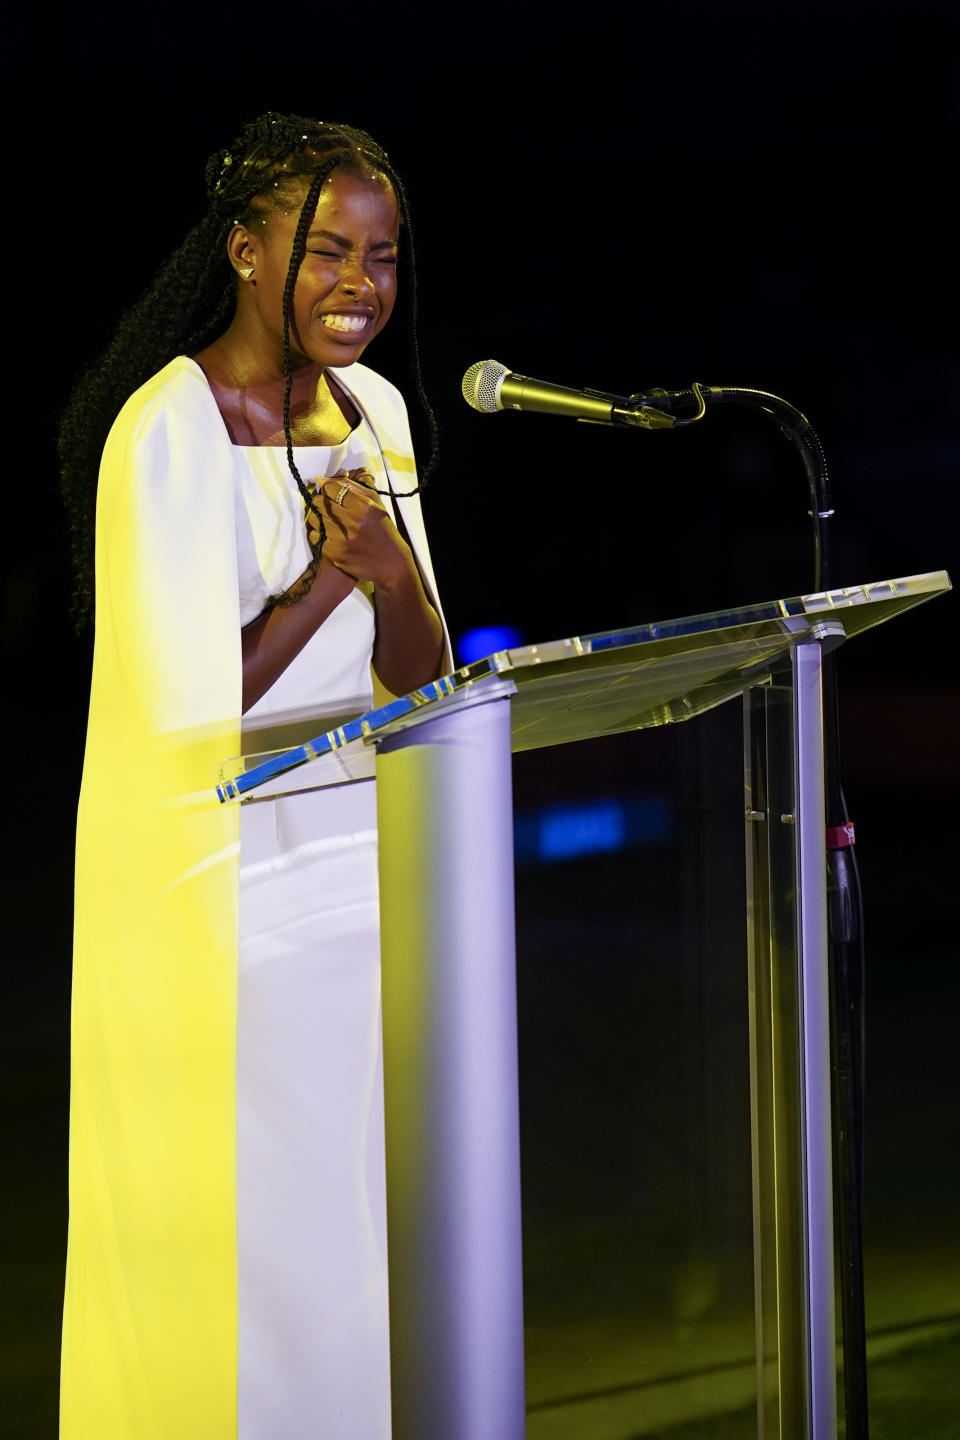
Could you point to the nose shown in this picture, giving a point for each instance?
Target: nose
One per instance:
(354, 280)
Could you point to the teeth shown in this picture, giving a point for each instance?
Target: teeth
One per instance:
(346, 322)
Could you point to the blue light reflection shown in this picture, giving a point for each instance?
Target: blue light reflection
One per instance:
(486, 640)
(593, 827)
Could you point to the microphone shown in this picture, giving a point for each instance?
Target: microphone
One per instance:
(489, 386)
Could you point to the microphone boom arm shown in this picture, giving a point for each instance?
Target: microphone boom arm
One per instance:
(653, 410)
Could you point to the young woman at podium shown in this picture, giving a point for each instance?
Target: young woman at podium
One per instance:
(260, 561)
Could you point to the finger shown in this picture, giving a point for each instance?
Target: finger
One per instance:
(316, 482)
(313, 511)
(367, 481)
(337, 489)
(333, 514)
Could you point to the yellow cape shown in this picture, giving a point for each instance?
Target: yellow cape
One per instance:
(149, 1343)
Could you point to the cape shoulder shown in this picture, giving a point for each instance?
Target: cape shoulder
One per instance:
(371, 388)
(167, 610)
(385, 410)
(177, 397)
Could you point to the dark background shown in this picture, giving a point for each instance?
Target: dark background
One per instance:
(762, 198)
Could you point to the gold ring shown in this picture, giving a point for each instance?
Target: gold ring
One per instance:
(343, 491)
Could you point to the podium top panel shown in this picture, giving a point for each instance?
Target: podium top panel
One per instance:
(630, 678)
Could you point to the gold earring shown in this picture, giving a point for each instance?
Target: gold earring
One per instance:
(247, 271)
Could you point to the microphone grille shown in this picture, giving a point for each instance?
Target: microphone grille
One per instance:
(481, 385)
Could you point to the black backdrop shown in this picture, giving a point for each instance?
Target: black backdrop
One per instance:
(618, 200)
(755, 200)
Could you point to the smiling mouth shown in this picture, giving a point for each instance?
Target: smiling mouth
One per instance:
(346, 324)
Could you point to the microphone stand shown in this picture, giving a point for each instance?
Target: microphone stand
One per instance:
(652, 409)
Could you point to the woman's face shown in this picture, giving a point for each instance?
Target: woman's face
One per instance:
(347, 284)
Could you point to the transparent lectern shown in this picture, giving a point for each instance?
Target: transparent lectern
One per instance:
(441, 756)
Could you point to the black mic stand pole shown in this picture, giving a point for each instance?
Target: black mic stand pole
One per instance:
(653, 410)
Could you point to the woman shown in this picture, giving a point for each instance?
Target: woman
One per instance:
(260, 551)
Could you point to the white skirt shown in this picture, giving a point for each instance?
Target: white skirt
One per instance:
(314, 1352)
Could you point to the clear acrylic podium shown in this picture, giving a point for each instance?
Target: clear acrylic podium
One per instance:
(442, 761)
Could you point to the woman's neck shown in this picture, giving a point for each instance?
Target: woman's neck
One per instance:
(249, 396)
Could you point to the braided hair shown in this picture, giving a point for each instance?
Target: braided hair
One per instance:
(190, 302)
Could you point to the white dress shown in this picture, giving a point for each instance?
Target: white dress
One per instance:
(311, 1207)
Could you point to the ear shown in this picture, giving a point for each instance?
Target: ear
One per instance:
(242, 253)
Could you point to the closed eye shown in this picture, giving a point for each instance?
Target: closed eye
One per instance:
(334, 255)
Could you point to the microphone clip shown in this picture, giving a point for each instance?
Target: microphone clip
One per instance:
(644, 411)
(651, 409)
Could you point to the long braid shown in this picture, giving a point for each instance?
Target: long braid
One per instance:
(190, 302)
(413, 343)
(296, 260)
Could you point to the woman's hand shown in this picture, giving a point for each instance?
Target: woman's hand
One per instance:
(363, 543)
(362, 540)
